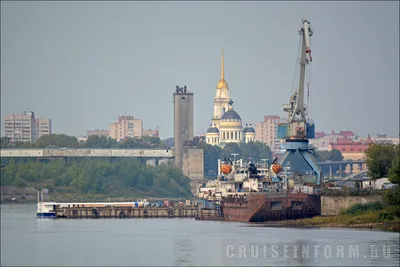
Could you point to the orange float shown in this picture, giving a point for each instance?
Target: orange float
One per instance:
(226, 168)
(276, 168)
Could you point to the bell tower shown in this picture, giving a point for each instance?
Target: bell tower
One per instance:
(222, 96)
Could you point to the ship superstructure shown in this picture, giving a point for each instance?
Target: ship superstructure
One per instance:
(255, 192)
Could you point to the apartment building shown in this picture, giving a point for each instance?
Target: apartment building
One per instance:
(25, 127)
(266, 131)
(98, 133)
(126, 127)
(42, 127)
(151, 132)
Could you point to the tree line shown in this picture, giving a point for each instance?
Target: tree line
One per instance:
(95, 141)
(383, 161)
(90, 176)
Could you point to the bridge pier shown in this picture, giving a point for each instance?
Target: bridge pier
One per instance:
(162, 161)
(151, 162)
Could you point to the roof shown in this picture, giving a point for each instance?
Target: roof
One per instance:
(249, 129)
(213, 130)
(231, 115)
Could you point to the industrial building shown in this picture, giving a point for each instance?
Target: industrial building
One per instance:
(183, 121)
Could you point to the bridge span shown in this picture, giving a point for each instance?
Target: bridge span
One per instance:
(86, 152)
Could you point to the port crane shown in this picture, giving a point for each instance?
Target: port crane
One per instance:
(298, 129)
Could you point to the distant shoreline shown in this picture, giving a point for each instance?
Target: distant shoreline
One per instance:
(387, 226)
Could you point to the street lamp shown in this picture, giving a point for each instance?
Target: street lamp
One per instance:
(234, 158)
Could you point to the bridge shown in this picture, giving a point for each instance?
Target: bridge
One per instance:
(342, 162)
(350, 166)
(346, 167)
(86, 152)
(355, 175)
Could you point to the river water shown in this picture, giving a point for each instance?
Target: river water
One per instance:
(26, 240)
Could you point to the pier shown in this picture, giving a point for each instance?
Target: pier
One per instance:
(125, 212)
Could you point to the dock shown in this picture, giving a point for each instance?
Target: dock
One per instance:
(126, 212)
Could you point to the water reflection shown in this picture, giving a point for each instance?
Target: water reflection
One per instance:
(44, 224)
(299, 250)
(180, 242)
(183, 252)
(383, 252)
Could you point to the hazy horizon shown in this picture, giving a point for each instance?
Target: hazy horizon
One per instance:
(83, 64)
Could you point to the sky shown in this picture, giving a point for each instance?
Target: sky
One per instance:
(85, 63)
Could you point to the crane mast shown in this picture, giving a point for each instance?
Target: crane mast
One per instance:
(297, 120)
(297, 130)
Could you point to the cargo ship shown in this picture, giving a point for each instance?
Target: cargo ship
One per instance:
(257, 193)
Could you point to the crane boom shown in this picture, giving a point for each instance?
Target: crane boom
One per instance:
(297, 120)
(297, 130)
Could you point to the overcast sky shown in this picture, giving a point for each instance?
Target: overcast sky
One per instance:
(84, 64)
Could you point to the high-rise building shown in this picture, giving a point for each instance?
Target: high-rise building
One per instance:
(266, 131)
(126, 127)
(25, 127)
(42, 127)
(183, 121)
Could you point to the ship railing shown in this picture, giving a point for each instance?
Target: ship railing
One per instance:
(235, 198)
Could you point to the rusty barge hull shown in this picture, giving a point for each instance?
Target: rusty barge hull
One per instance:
(261, 207)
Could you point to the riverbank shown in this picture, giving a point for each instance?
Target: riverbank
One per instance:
(67, 197)
(29, 195)
(385, 220)
(18, 194)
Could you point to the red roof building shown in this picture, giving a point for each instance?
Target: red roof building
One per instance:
(351, 149)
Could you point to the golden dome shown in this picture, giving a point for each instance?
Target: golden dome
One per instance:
(222, 83)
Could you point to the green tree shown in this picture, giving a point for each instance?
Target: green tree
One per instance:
(334, 155)
(211, 156)
(230, 149)
(169, 142)
(394, 171)
(5, 142)
(153, 141)
(96, 141)
(19, 181)
(379, 159)
(133, 143)
(57, 140)
(88, 175)
(19, 144)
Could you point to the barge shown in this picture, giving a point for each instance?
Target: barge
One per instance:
(133, 209)
(251, 193)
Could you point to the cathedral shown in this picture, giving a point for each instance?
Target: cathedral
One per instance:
(226, 124)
